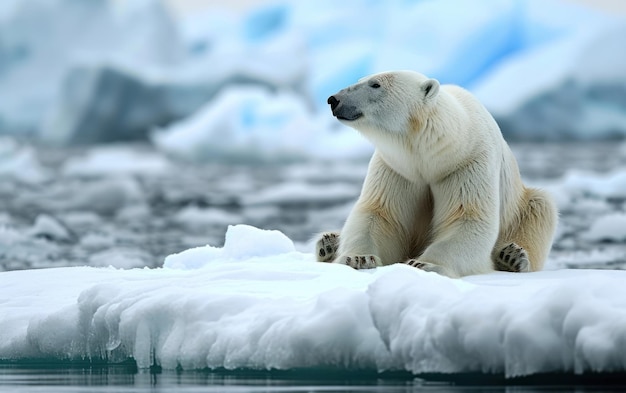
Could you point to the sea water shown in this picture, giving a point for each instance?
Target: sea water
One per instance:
(51, 377)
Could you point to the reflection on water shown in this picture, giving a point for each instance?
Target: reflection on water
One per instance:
(41, 377)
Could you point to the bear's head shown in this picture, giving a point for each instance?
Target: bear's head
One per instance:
(389, 101)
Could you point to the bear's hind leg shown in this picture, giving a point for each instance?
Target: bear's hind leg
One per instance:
(327, 246)
(524, 247)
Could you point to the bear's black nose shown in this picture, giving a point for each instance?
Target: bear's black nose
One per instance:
(333, 102)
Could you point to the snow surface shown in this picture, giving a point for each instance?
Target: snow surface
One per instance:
(257, 303)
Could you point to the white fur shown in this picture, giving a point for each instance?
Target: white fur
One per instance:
(443, 186)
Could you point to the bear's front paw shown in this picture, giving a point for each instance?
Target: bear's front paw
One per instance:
(360, 261)
(327, 246)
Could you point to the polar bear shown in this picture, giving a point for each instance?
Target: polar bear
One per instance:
(443, 191)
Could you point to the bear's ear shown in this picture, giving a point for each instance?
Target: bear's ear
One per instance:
(430, 88)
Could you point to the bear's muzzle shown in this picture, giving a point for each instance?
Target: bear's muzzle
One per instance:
(342, 111)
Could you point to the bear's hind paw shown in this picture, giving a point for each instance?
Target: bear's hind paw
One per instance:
(512, 258)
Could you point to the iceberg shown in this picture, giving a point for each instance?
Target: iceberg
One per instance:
(111, 103)
(43, 39)
(111, 71)
(255, 123)
(406, 35)
(257, 303)
(542, 76)
(574, 87)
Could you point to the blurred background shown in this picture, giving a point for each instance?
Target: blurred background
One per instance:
(133, 129)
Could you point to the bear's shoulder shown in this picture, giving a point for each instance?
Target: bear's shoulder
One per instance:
(458, 93)
(454, 96)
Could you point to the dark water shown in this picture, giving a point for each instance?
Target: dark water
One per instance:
(40, 377)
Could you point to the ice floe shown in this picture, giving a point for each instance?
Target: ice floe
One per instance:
(257, 303)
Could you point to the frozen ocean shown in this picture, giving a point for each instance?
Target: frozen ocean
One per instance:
(162, 177)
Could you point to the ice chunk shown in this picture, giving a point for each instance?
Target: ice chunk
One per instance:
(577, 183)
(242, 242)
(48, 227)
(20, 250)
(116, 160)
(20, 162)
(611, 227)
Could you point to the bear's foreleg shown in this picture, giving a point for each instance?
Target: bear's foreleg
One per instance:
(327, 246)
(465, 223)
(382, 227)
(364, 238)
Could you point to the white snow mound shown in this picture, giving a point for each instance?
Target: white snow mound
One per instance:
(258, 304)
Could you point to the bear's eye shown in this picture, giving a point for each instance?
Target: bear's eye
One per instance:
(375, 85)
